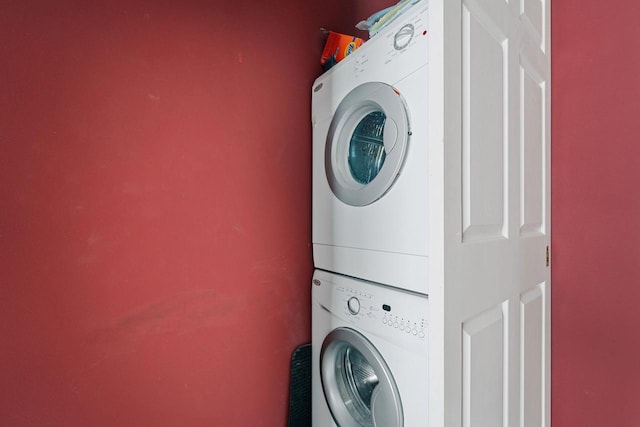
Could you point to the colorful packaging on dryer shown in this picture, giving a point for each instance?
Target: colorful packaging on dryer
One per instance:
(337, 47)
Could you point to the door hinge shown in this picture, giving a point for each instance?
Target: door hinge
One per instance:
(547, 256)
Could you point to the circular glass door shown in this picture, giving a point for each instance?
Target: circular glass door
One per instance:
(366, 143)
(357, 383)
(366, 148)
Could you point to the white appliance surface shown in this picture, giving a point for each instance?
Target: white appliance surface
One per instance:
(394, 323)
(381, 238)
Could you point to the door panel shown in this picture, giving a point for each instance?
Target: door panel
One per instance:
(532, 152)
(483, 129)
(484, 369)
(532, 339)
(495, 281)
(533, 15)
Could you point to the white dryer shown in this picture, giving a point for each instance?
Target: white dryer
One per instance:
(370, 165)
(369, 354)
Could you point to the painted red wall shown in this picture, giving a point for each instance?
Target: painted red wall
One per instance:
(155, 208)
(596, 214)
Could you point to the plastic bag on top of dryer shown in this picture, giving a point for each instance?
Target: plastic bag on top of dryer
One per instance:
(384, 17)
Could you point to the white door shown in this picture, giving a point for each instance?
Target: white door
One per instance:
(490, 287)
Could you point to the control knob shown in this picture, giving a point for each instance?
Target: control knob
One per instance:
(353, 305)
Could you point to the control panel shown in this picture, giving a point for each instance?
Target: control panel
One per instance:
(408, 34)
(382, 310)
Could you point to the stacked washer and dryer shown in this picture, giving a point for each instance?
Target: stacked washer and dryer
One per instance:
(370, 232)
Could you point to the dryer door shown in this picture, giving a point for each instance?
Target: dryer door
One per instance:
(366, 143)
(357, 383)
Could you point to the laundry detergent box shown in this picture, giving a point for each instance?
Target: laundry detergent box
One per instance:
(337, 47)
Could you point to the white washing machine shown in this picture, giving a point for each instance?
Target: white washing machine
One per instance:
(369, 354)
(370, 165)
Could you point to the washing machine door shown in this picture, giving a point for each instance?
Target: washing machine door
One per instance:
(366, 143)
(357, 383)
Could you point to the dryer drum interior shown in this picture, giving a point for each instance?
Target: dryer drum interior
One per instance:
(357, 383)
(366, 143)
(366, 147)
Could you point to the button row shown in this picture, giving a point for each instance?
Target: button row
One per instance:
(407, 328)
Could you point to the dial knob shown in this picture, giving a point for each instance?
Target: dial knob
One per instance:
(353, 305)
(403, 37)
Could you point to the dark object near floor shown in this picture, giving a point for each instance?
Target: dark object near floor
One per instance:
(300, 388)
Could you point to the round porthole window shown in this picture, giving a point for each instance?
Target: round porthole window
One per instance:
(366, 148)
(357, 383)
(366, 144)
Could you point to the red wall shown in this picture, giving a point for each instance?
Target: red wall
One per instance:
(155, 208)
(596, 214)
